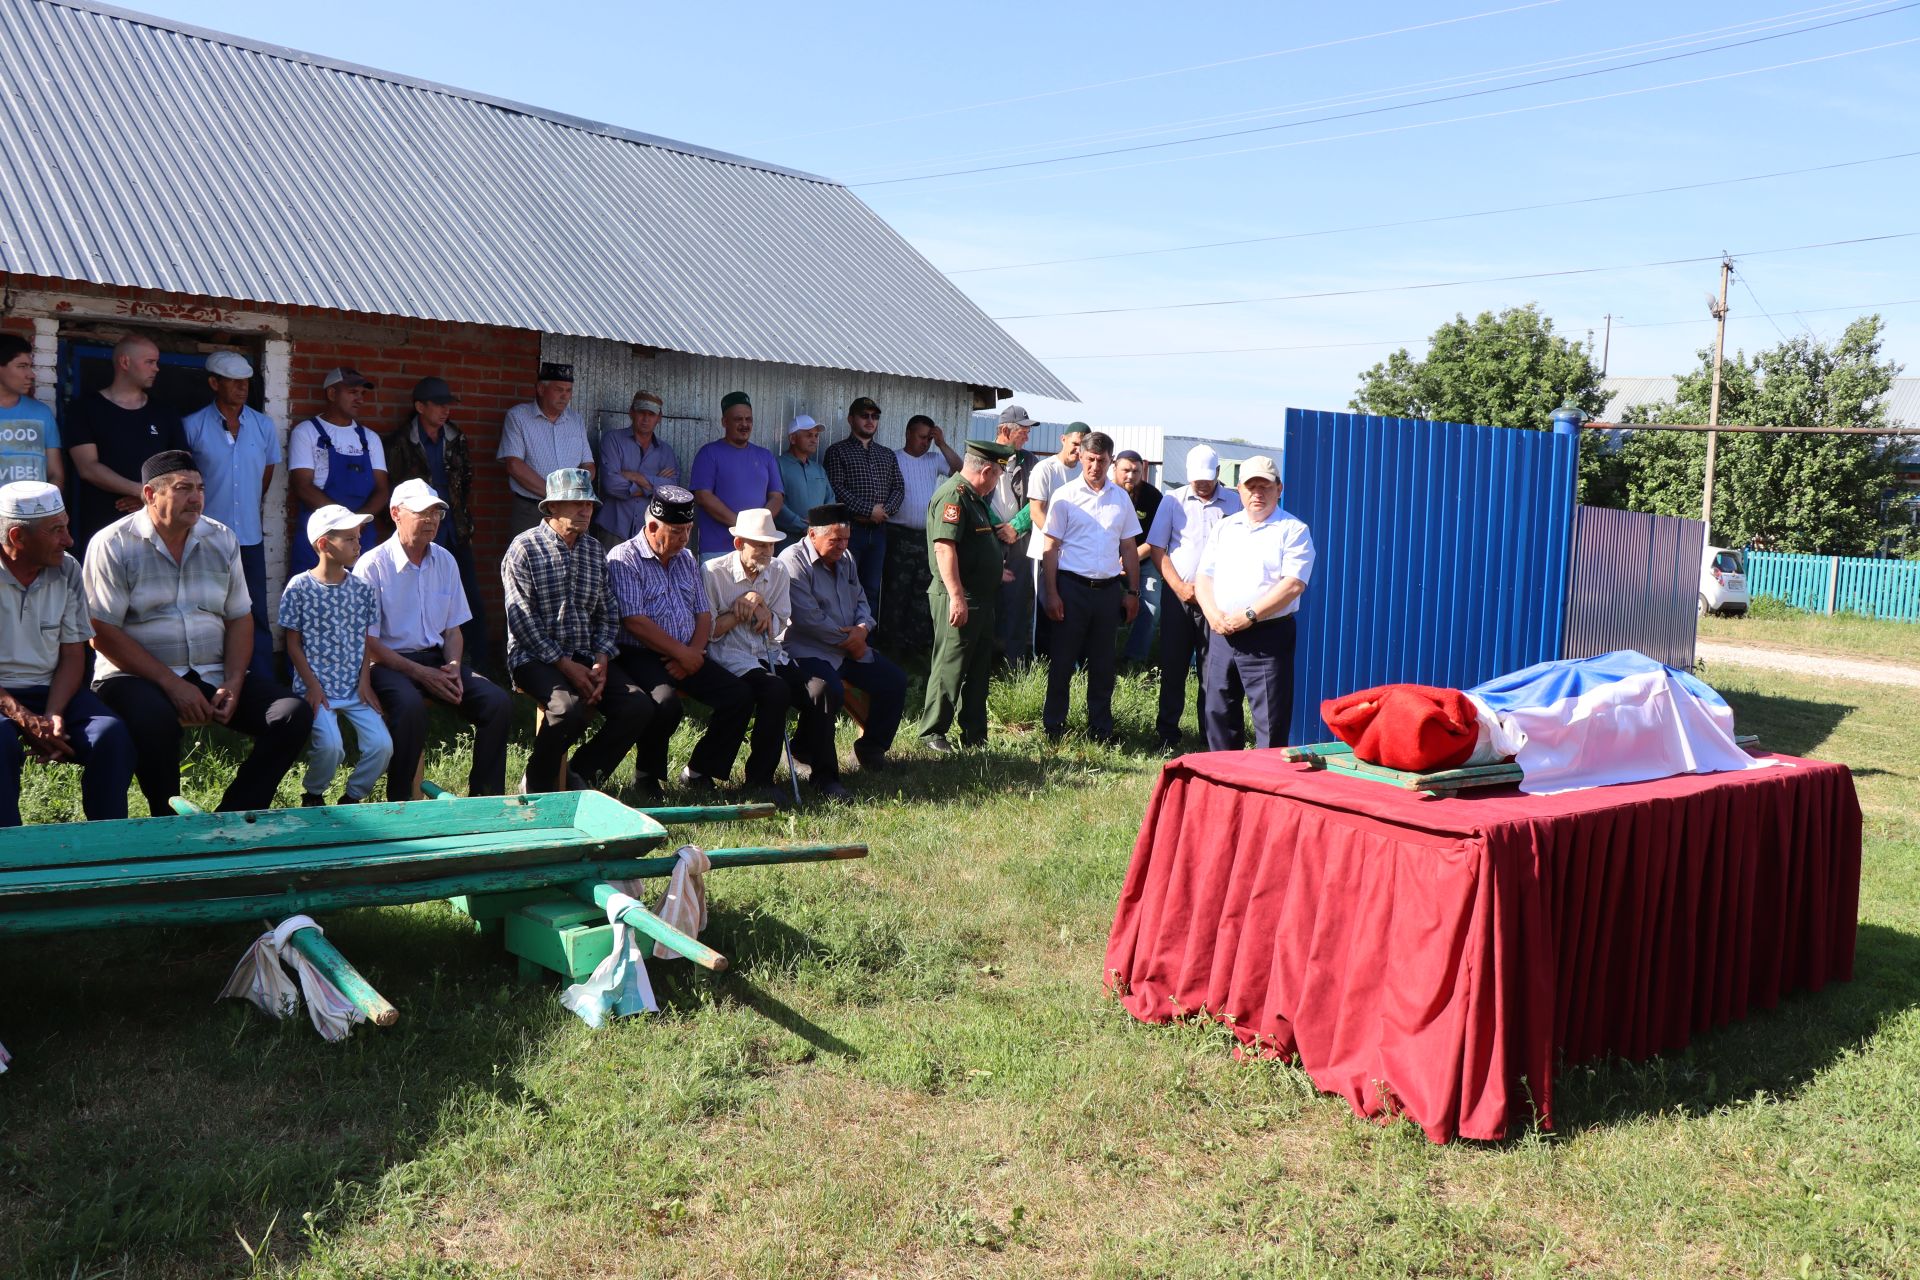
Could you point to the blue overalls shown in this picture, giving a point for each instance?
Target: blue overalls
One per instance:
(349, 483)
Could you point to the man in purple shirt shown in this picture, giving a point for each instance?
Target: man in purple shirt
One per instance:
(731, 475)
(665, 621)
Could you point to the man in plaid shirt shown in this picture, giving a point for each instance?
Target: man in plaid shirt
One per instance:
(866, 480)
(562, 628)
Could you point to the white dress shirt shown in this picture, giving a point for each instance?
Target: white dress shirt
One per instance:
(1090, 525)
(419, 603)
(1247, 560)
(922, 476)
(1048, 475)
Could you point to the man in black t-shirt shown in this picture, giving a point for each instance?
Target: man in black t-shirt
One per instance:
(110, 433)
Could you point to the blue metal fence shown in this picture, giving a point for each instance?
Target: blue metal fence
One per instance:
(1635, 585)
(1838, 584)
(1443, 552)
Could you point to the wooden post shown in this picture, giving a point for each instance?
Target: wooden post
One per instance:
(326, 957)
(1833, 583)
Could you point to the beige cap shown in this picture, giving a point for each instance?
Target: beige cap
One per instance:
(1259, 467)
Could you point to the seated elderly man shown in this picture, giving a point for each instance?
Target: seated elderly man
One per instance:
(170, 615)
(752, 606)
(43, 637)
(663, 647)
(562, 629)
(828, 641)
(419, 647)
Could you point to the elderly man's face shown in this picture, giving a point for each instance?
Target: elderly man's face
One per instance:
(553, 396)
(667, 540)
(1203, 489)
(805, 444)
(754, 556)
(1259, 496)
(983, 484)
(829, 541)
(229, 393)
(416, 529)
(570, 519)
(1093, 468)
(645, 423)
(346, 401)
(1126, 474)
(737, 422)
(41, 543)
(1014, 434)
(175, 500)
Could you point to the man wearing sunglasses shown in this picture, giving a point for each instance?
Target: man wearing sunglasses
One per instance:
(866, 480)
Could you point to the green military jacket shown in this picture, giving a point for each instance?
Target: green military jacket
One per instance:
(960, 516)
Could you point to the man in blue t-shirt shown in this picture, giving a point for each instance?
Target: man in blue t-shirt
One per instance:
(29, 437)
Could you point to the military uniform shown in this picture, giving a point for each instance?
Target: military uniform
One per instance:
(963, 656)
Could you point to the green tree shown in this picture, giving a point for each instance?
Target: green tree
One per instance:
(1805, 493)
(1509, 370)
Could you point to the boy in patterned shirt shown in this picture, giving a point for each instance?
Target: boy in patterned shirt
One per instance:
(326, 612)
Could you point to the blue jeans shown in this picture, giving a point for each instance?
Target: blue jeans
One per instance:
(102, 748)
(327, 750)
(868, 545)
(253, 567)
(1140, 636)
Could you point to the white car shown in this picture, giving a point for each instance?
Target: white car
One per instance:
(1723, 581)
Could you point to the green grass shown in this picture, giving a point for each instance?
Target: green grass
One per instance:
(912, 1070)
(1773, 625)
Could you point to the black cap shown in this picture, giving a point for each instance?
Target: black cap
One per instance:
(166, 462)
(864, 404)
(671, 505)
(552, 371)
(1129, 455)
(434, 391)
(828, 513)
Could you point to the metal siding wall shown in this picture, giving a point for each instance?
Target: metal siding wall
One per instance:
(1635, 585)
(1443, 552)
(606, 374)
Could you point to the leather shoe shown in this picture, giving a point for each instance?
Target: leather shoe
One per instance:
(938, 744)
(833, 790)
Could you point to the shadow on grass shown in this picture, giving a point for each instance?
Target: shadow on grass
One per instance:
(1794, 726)
(1775, 1052)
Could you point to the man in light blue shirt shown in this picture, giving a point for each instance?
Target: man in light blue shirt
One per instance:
(804, 479)
(236, 448)
(1178, 537)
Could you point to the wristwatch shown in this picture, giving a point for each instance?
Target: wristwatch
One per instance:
(1253, 615)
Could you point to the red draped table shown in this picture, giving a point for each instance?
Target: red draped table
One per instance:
(1438, 958)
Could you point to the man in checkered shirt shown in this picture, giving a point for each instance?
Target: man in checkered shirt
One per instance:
(562, 628)
(866, 480)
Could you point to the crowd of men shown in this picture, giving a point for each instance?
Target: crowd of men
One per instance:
(753, 585)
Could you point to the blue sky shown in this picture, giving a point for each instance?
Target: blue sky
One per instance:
(867, 92)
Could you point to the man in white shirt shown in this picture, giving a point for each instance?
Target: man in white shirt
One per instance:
(924, 463)
(1047, 475)
(541, 436)
(419, 647)
(1252, 574)
(1090, 583)
(1182, 527)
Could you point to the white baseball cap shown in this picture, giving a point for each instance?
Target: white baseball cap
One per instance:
(331, 517)
(415, 495)
(1202, 463)
(801, 422)
(229, 364)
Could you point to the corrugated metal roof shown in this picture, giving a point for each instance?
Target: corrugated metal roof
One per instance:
(116, 130)
(1443, 552)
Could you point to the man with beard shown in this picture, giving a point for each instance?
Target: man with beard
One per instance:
(866, 481)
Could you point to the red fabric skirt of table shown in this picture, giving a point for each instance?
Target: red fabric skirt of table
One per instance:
(1438, 958)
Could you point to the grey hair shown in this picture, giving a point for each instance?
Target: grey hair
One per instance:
(9, 523)
(837, 524)
(973, 464)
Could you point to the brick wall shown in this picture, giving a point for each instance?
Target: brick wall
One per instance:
(489, 369)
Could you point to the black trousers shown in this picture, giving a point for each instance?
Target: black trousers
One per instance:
(277, 720)
(1183, 636)
(1086, 632)
(1252, 666)
(786, 688)
(624, 710)
(483, 704)
(729, 703)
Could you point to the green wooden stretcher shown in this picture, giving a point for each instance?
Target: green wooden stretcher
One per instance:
(1437, 784)
(268, 864)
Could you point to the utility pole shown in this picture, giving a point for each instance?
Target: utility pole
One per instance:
(1606, 347)
(1719, 310)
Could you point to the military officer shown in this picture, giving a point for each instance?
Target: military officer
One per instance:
(966, 544)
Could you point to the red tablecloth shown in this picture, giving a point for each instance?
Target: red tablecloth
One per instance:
(1439, 957)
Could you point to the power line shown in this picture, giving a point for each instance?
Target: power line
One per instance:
(1376, 95)
(1414, 342)
(1160, 75)
(1444, 217)
(1448, 284)
(1372, 111)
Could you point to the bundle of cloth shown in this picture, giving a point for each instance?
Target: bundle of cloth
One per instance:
(1586, 722)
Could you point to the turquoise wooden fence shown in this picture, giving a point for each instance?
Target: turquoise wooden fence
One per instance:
(1838, 584)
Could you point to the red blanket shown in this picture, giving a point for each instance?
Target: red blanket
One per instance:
(1405, 726)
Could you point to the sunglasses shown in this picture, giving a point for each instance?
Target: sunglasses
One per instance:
(866, 413)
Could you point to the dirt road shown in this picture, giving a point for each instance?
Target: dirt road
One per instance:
(1808, 664)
